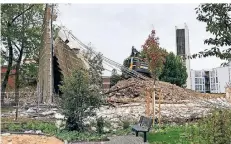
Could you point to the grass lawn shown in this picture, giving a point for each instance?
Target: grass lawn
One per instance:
(48, 127)
(169, 135)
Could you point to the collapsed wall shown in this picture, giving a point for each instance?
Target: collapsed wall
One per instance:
(55, 65)
(67, 58)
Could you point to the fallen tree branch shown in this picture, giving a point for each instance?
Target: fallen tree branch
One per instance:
(117, 101)
(119, 89)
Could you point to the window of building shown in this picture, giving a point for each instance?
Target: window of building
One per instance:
(212, 87)
(196, 81)
(217, 87)
(197, 73)
(216, 79)
(212, 74)
(212, 80)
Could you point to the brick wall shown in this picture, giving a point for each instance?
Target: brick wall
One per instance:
(11, 79)
(67, 58)
(106, 83)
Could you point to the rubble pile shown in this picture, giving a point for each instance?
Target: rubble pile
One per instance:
(135, 88)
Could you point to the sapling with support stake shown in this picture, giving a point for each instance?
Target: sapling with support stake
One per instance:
(155, 57)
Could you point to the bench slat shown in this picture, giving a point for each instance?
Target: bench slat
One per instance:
(139, 128)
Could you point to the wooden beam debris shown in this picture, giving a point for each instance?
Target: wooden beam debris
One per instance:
(120, 88)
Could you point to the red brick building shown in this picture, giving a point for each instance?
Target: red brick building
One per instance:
(11, 79)
(10, 85)
(106, 83)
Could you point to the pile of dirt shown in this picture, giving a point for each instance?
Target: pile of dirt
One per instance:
(135, 89)
(29, 139)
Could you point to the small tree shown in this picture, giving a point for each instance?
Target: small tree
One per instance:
(154, 55)
(96, 69)
(174, 71)
(78, 100)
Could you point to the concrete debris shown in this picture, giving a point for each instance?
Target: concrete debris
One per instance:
(46, 113)
(5, 134)
(35, 132)
(216, 103)
(38, 132)
(31, 110)
(170, 92)
(169, 112)
(105, 129)
(59, 116)
(93, 128)
(178, 105)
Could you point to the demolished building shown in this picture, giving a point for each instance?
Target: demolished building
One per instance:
(67, 58)
(58, 58)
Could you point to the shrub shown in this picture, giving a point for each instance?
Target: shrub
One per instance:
(214, 129)
(100, 125)
(78, 101)
(126, 124)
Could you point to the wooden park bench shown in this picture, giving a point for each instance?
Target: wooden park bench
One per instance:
(143, 125)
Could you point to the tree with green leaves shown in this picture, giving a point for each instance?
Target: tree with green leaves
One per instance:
(78, 101)
(217, 18)
(174, 70)
(95, 61)
(21, 27)
(28, 74)
(2, 61)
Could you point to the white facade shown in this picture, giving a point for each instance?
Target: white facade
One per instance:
(214, 80)
(197, 81)
(183, 44)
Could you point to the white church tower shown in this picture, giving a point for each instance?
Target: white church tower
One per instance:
(182, 49)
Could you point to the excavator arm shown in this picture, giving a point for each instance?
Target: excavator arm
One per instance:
(135, 52)
(135, 62)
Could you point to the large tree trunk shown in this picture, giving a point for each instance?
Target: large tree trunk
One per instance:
(17, 73)
(9, 67)
(17, 85)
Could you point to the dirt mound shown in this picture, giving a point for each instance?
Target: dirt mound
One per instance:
(135, 89)
(29, 139)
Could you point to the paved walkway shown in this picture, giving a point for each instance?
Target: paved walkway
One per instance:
(129, 139)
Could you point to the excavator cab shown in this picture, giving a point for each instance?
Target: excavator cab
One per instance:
(134, 62)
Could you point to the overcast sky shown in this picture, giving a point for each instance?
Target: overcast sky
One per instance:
(114, 28)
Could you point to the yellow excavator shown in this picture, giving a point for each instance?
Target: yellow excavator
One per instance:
(135, 62)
